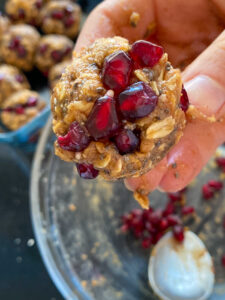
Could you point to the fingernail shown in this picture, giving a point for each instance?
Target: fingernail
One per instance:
(206, 95)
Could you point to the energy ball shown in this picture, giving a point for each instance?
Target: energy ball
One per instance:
(4, 24)
(11, 81)
(18, 46)
(24, 11)
(20, 108)
(52, 49)
(61, 17)
(117, 109)
(56, 73)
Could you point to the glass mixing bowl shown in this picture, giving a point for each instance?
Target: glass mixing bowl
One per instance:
(77, 222)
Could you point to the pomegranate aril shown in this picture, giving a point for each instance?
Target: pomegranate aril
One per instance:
(14, 43)
(126, 141)
(155, 217)
(173, 220)
(67, 51)
(68, 10)
(150, 227)
(184, 101)
(136, 213)
(19, 78)
(56, 55)
(57, 14)
(31, 101)
(223, 260)
(19, 110)
(175, 197)
(87, 171)
(124, 228)
(103, 121)
(76, 139)
(137, 101)
(116, 71)
(169, 210)
(163, 225)
(69, 21)
(38, 4)
(187, 210)
(207, 192)
(21, 51)
(178, 233)
(146, 243)
(215, 185)
(145, 54)
(220, 162)
(138, 233)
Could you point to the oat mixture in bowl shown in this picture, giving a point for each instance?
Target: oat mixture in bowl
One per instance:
(118, 109)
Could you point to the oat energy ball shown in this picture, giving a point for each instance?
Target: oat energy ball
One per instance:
(61, 17)
(24, 11)
(19, 45)
(117, 109)
(51, 50)
(20, 108)
(11, 81)
(4, 24)
(56, 72)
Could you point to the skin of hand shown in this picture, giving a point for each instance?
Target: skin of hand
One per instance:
(192, 33)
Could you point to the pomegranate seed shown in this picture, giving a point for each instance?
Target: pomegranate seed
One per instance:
(184, 101)
(19, 110)
(136, 212)
(146, 54)
(116, 71)
(38, 4)
(124, 228)
(155, 217)
(158, 236)
(126, 141)
(147, 213)
(207, 192)
(68, 10)
(8, 109)
(76, 139)
(137, 223)
(67, 51)
(21, 13)
(21, 51)
(178, 233)
(45, 73)
(57, 14)
(14, 43)
(175, 197)
(43, 48)
(163, 225)
(87, 171)
(169, 210)
(223, 260)
(103, 121)
(187, 210)
(31, 101)
(216, 185)
(146, 243)
(149, 227)
(56, 55)
(69, 21)
(137, 101)
(173, 220)
(220, 162)
(138, 233)
(19, 78)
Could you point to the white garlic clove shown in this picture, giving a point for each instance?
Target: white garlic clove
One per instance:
(181, 271)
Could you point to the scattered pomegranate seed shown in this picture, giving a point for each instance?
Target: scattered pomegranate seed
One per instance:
(126, 141)
(220, 162)
(216, 185)
(207, 191)
(163, 225)
(173, 220)
(76, 139)
(175, 197)
(137, 101)
(223, 260)
(69, 21)
(184, 101)
(57, 14)
(146, 54)
(21, 13)
(146, 243)
(187, 210)
(43, 48)
(57, 55)
(103, 121)
(19, 78)
(155, 217)
(116, 71)
(178, 233)
(68, 10)
(169, 210)
(87, 171)
(32, 101)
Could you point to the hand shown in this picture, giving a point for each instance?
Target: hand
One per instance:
(184, 28)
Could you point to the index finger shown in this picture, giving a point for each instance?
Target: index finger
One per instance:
(112, 17)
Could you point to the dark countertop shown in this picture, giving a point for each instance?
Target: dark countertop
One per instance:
(22, 273)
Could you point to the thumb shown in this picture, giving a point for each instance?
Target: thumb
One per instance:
(205, 83)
